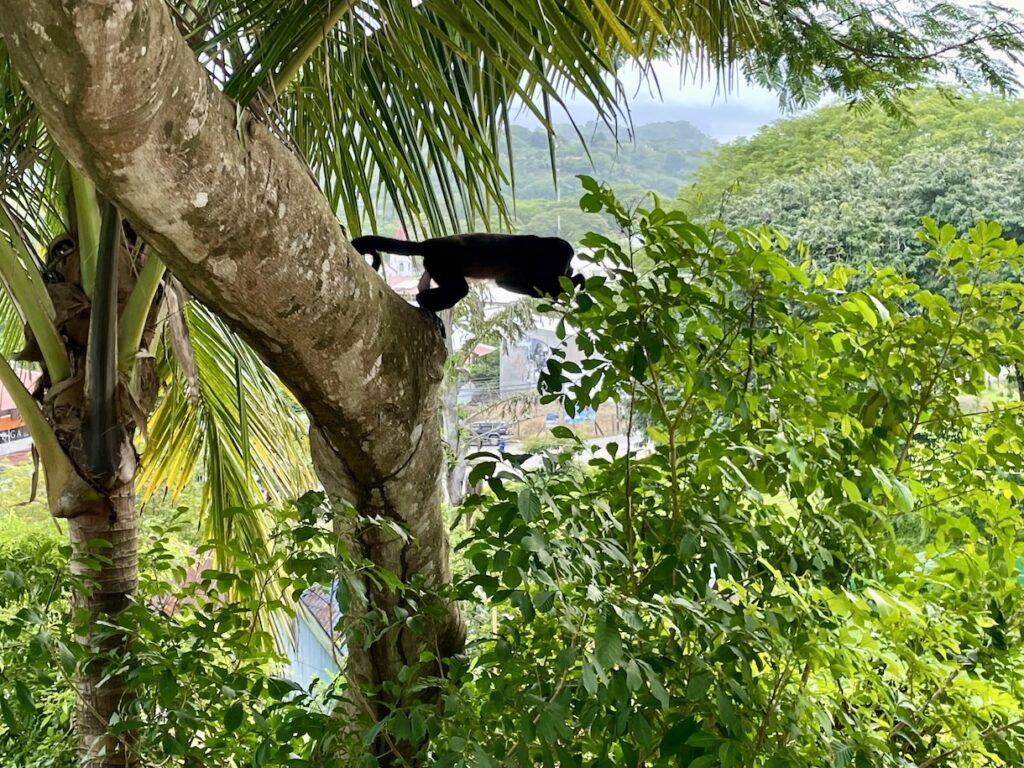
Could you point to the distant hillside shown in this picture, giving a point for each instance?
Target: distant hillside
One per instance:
(663, 156)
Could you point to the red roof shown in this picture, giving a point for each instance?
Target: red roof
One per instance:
(322, 604)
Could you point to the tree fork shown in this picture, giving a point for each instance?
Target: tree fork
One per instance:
(240, 222)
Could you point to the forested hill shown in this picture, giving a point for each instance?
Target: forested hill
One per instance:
(663, 156)
(854, 186)
(836, 136)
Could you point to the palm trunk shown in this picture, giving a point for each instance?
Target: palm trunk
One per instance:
(108, 588)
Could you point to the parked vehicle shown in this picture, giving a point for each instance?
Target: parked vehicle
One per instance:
(489, 432)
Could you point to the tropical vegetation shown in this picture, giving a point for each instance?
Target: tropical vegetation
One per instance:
(730, 592)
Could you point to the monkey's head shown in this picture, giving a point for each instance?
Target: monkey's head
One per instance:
(562, 249)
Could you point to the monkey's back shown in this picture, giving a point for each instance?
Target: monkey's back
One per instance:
(486, 256)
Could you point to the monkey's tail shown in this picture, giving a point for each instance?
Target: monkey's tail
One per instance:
(374, 244)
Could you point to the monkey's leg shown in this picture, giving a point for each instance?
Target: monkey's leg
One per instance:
(450, 290)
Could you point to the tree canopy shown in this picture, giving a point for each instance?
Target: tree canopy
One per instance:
(853, 187)
(838, 135)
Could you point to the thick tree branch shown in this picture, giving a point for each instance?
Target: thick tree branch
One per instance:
(235, 215)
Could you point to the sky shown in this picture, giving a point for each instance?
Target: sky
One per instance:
(722, 114)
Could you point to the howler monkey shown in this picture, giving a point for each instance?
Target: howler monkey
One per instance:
(519, 263)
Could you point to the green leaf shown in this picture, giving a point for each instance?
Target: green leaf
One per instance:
(607, 642)
(24, 696)
(852, 491)
(233, 716)
(727, 712)
(589, 677)
(903, 497)
(13, 723)
(480, 471)
(528, 504)
(633, 678)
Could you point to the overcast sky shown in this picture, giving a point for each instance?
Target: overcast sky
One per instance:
(722, 113)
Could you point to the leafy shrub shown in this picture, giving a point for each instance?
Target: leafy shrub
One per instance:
(738, 597)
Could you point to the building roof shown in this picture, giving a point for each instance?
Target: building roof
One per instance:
(323, 606)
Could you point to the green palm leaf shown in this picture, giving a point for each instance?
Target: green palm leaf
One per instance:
(407, 104)
(236, 430)
(12, 337)
(239, 430)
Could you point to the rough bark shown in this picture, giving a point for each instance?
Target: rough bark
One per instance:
(240, 222)
(110, 587)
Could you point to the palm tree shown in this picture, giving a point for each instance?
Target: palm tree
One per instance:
(101, 319)
(219, 127)
(96, 284)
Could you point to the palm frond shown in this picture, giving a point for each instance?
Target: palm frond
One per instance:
(406, 105)
(12, 335)
(242, 435)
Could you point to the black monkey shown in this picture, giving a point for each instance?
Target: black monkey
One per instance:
(524, 264)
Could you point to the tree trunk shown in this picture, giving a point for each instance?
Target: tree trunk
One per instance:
(111, 520)
(456, 469)
(238, 219)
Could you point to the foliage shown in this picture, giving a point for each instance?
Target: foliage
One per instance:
(835, 139)
(735, 595)
(17, 504)
(654, 157)
(858, 214)
(484, 367)
(36, 694)
(208, 690)
(541, 443)
(234, 425)
(426, 90)
(726, 590)
(429, 87)
(851, 189)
